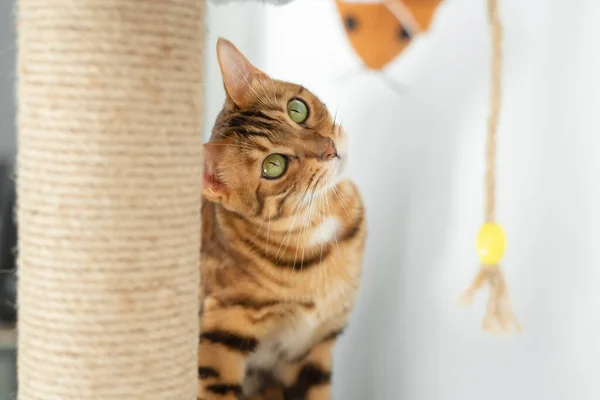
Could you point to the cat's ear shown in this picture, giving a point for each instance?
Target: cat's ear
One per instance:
(237, 72)
(213, 187)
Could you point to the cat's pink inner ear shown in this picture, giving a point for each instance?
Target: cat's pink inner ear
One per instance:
(212, 185)
(237, 72)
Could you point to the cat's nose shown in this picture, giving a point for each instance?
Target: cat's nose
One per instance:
(330, 151)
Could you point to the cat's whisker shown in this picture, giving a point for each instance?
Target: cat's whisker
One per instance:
(284, 239)
(315, 195)
(323, 273)
(304, 225)
(342, 195)
(321, 207)
(335, 116)
(307, 187)
(257, 230)
(310, 211)
(337, 244)
(300, 234)
(268, 232)
(287, 235)
(334, 125)
(330, 216)
(337, 194)
(261, 224)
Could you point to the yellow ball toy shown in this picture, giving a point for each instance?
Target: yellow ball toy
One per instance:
(491, 244)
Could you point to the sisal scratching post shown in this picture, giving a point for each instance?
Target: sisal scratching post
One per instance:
(109, 175)
(499, 318)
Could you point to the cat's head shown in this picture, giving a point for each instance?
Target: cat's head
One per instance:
(274, 146)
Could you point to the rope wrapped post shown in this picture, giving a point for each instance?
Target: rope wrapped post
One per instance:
(110, 99)
(491, 242)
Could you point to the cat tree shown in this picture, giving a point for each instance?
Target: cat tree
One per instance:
(110, 100)
(108, 187)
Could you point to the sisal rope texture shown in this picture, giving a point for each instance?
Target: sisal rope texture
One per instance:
(499, 317)
(109, 175)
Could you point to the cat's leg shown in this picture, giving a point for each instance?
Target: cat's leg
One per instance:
(220, 371)
(310, 378)
(260, 385)
(228, 336)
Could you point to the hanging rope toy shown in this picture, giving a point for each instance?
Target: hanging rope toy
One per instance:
(491, 241)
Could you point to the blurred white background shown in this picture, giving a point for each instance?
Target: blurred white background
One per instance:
(419, 160)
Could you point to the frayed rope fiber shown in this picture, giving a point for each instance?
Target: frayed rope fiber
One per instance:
(499, 318)
(110, 100)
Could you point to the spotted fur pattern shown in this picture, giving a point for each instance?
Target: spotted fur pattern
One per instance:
(281, 258)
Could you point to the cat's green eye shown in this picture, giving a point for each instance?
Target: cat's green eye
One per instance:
(274, 166)
(297, 111)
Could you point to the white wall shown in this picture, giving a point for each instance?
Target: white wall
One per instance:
(419, 159)
(240, 22)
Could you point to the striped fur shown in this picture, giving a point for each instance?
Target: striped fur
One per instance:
(281, 259)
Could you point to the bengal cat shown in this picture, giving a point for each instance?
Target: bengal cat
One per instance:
(282, 242)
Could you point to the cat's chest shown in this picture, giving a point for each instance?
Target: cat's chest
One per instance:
(292, 339)
(326, 231)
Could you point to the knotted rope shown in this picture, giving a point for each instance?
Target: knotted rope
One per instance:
(491, 242)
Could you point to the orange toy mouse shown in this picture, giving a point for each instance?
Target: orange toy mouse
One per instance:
(379, 30)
